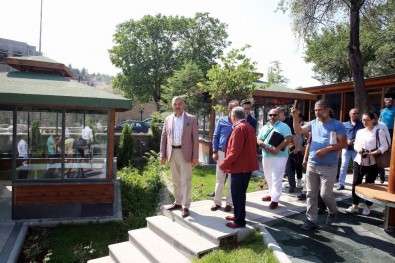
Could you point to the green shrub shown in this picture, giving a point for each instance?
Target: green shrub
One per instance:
(126, 148)
(140, 191)
(157, 121)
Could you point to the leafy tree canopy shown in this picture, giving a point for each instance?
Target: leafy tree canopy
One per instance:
(148, 51)
(184, 83)
(328, 50)
(274, 74)
(232, 79)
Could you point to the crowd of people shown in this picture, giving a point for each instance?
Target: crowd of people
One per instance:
(324, 146)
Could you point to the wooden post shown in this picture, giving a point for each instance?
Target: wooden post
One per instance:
(391, 184)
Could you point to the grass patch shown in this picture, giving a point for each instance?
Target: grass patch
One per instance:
(140, 196)
(250, 250)
(203, 182)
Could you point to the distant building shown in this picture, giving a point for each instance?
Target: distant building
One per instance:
(12, 48)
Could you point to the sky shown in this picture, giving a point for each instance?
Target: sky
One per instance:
(80, 32)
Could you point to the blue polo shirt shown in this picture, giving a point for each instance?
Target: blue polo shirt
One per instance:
(387, 116)
(267, 130)
(320, 135)
(221, 133)
(352, 131)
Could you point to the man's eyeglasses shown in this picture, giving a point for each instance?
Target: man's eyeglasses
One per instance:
(355, 113)
(272, 115)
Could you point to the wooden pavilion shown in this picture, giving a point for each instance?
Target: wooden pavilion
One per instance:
(40, 105)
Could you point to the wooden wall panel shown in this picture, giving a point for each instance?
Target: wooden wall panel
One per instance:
(63, 194)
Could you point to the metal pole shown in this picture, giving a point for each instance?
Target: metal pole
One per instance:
(41, 25)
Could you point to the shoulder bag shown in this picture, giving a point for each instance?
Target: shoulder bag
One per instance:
(383, 160)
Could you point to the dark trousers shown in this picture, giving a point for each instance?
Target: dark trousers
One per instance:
(22, 173)
(239, 185)
(299, 165)
(359, 172)
(290, 170)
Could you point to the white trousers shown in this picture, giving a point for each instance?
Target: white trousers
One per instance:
(181, 173)
(274, 168)
(220, 177)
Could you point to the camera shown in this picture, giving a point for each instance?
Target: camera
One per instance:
(364, 153)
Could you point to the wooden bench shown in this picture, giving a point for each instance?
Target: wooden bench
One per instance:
(379, 194)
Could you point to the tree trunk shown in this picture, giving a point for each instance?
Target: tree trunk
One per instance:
(355, 57)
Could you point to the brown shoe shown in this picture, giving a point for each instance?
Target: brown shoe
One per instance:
(228, 208)
(174, 207)
(185, 212)
(215, 207)
(230, 218)
(266, 198)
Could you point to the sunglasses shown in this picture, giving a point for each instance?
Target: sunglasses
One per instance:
(355, 113)
(272, 115)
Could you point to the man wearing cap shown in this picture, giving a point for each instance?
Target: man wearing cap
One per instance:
(387, 115)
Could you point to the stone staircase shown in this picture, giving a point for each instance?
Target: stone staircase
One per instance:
(171, 238)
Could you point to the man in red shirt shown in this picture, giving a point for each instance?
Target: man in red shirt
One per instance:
(240, 160)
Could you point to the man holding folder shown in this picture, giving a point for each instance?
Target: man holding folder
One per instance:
(273, 139)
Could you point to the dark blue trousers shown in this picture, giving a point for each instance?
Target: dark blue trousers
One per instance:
(239, 185)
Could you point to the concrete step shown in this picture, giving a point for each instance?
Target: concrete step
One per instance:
(126, 252)
(184, 240)
(154, 248)
(210, 225)
(106, 259)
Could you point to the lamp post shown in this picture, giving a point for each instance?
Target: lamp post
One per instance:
(141, 110)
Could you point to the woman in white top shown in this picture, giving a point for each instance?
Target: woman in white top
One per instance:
(364, 163)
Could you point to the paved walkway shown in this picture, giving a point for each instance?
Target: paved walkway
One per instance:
(353, 238)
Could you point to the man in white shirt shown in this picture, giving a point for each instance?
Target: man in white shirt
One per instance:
(22, 158)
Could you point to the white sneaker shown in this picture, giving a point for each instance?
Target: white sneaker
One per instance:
(299, 183)
(286, 185)
(366, 211)
(352, 210)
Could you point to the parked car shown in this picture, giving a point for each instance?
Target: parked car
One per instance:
(148, 121)
(137, 126)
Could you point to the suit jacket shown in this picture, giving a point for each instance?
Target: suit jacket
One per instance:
(240, 156)
(189, 141)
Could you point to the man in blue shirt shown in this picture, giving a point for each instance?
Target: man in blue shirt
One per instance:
(328, 137)
(387, 115)
(352, 126)
(220, 138)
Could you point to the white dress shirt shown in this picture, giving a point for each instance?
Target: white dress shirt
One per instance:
(178, 124)
(365, 139)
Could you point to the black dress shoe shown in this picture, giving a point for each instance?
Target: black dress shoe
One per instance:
(301, 197)
(185, 212)
(321, 211)
(211, 195)
(174, 207)
(215, 207)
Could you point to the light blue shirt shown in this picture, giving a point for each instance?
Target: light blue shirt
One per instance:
(387, 116)
(320, 138)
(267, 130)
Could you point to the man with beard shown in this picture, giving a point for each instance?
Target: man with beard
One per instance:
(387, 115)
(328, 137)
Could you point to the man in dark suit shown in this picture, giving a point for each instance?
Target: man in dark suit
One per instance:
(240, 160)
(180, 147)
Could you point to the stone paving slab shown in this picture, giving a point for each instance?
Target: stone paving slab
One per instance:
(353, 238)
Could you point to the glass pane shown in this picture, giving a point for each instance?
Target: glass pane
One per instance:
(39, 144)
(86, 144)
(6, 129)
